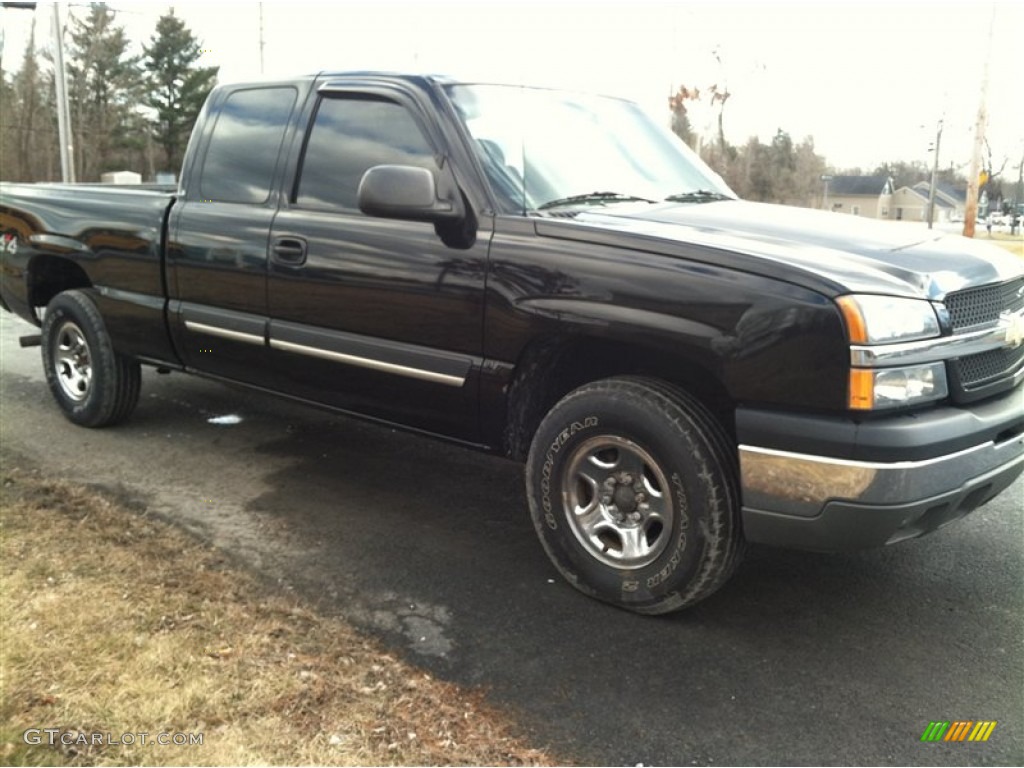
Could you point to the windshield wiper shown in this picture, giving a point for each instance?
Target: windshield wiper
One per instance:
(698, 196)
(594, 197)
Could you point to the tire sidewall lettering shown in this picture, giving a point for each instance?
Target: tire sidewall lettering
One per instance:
(636, 585)
(547, 471)
(690, 448)
(656, 579)
(682, 539)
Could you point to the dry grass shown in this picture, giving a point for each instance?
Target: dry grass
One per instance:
(1013, 243)
(115, 623)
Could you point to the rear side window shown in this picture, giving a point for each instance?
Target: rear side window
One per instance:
(244, 147)
(350, 136)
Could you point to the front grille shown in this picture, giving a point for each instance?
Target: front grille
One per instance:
(981, 306)
(975, 370)
(974, 308)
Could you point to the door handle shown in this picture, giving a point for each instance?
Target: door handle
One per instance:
(289, 250)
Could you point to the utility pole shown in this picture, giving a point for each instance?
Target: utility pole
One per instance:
(1020, 185)
(67, 150)
(262, 41)
(971, 212)
(935, 176)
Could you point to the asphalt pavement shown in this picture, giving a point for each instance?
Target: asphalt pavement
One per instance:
(802, 659)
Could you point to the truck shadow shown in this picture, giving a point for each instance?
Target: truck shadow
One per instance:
(430, 547)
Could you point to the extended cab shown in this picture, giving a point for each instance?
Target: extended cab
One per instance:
(554, 277)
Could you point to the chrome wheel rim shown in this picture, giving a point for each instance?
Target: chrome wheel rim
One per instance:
(72, 362)
(618, 502)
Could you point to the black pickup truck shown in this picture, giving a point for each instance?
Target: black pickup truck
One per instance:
(553, 277)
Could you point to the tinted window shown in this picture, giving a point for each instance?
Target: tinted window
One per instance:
(349, 137)
(246, 141)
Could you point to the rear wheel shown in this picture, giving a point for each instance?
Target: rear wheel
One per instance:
(633, 492)
(93, 385)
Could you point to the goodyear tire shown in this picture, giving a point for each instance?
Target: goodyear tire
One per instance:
(93, 385)
(633, 491)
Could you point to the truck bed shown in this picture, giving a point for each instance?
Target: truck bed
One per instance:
(115, 235)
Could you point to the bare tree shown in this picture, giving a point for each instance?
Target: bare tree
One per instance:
(720, 95)
(26, 115)
(681, 125)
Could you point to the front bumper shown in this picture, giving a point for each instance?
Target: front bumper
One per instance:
(830, 484)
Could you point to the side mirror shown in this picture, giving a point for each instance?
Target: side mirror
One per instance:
(408, 192)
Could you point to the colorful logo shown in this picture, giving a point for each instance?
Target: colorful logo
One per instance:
(958, 730)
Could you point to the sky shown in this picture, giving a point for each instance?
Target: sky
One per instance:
(870, 81)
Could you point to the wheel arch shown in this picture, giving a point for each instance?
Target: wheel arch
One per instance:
(551, 368)
(49, 275)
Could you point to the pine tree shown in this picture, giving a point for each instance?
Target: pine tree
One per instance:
(177, 86)
(103, 88)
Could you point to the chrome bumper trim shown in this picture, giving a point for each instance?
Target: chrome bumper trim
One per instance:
(802, 484)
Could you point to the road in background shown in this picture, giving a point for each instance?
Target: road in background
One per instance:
(801, 659)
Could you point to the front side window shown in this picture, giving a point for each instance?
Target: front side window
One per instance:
(349, 136)
(245, 145)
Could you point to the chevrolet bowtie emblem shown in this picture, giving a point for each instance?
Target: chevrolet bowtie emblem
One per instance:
(1014, 324)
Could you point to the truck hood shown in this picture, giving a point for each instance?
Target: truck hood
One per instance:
(833, 252)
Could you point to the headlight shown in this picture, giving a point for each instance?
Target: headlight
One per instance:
(875, 388)
(877, 320)
(887, 319)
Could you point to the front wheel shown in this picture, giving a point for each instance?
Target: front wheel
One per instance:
(633, 492)
(93, 385)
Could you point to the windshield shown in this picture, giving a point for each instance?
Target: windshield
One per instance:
(544, 150)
